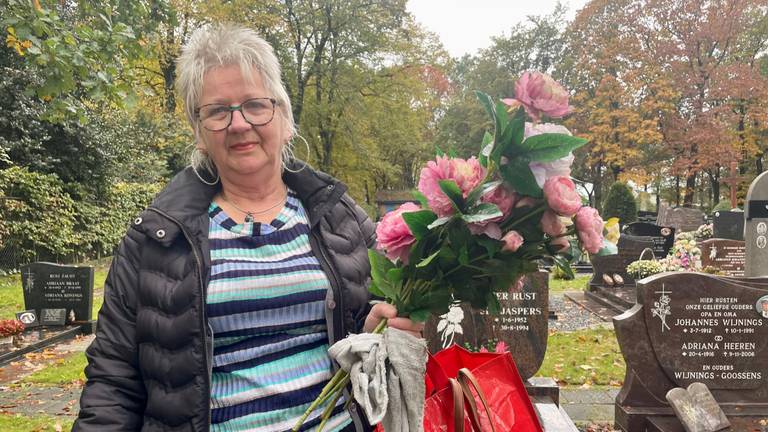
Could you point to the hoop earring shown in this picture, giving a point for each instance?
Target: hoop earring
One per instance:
(288, 153)
(213, 183)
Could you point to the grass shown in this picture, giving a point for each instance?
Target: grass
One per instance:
(584, 357)
(12, 294)
(577, 284)
(21, 423)
(63, 371)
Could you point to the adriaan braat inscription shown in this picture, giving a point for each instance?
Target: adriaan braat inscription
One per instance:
(54, 286)
(692, 327)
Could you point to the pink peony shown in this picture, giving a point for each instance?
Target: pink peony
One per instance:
(562, 196)
(512, 241)
(551, 224)
(466, 173)
(393, 234)
(491, 229)
(501, 347)
(544, 170)
(503, 198)
(540, 94)
(560, 244)
(589, 226)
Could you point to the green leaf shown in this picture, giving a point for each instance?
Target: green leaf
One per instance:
(485, 149)
(420, 315)
(508, 143)
(494, 307)
(564, 266)
(492, 246)
(481, 190)
(463, 255)
(418, 222)
(518, 174)
(439, 221)
(452, 191)
(420, 198)
(425, 262)
(483, 212)
(380, 265)
(487, 103)
(551, 146)
(502, 118)
(395, 275)
(374, 289)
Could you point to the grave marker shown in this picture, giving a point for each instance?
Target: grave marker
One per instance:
(728, 256)
(53, 286)
(756, 227)
(692, 327)
(683, 219)
(728, 225)
(663, 237)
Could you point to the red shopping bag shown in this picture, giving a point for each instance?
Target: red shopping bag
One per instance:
(509, 407)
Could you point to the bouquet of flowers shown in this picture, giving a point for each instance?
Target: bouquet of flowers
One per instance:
(684, 256)
(704, 232)
(10, 327)
(483, 223)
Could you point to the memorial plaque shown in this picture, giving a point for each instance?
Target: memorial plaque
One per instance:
(683, 219)
(663, 237)
(53, 317)
(29, 318)
(54, 286)
(693, 327)
(728, 225)
(728, 256)
(522, 325)
(697, 409)
(756, 227)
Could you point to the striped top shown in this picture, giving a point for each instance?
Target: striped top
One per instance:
(265, 305)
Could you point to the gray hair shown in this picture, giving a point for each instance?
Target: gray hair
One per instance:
(213, 46)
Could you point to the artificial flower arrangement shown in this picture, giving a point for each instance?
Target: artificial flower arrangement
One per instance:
(684, 256)
(10, 327)
(704, 232)
(483, 223)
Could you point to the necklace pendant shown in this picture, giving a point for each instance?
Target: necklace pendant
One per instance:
(248, 218)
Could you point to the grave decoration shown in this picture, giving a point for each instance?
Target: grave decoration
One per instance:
(697, 409)
(691, 327)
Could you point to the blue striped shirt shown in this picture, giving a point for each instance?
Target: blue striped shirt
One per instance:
(265, 304)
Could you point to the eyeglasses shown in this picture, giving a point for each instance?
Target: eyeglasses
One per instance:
(217, 117)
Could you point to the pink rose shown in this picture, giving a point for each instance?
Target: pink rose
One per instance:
(562, 196)
(589, 226)
(544, 170)
(466, 173)
(393, 235)
(551, 224)
(491, 229)
(560, 244)
(503, 198)
(540, 94)
(512, 241)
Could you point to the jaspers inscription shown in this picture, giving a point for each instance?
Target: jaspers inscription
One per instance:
(516, 318)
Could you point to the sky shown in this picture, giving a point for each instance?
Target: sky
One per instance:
(464, 26)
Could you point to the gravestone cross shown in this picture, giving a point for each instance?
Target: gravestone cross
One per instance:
(756, 227)
(733, 183)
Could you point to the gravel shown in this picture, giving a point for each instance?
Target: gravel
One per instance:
(571, 316)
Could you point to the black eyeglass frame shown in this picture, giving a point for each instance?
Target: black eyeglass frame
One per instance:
(232, 108)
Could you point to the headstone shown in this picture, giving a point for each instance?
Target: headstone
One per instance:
(630, 248)
(727, 256)
(756, 227)
(683, 219)
(663, 237)
(54, 286)
(53, 317)
(522, 325)
(728, 225)
(692, 327)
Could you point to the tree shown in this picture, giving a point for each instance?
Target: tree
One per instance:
(620, 203)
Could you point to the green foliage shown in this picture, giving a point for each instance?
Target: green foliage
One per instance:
(723, 205)
(560, 274)
(38, 423)
(620, 203)
(64, 371)
(584, 357)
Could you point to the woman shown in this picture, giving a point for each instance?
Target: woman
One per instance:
(226, 292)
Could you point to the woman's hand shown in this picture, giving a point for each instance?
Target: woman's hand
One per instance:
(380, 311)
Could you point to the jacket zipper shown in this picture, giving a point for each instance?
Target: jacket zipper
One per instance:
(337, 313)
(203, 322)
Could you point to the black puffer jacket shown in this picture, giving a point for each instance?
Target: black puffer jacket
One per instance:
(149, 366)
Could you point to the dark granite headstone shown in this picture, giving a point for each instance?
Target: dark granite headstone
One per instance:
(522, 325)
(756, 227)
(728, 225)
(663, 237)
(693, 327)
(630, 248)
(683, 219)
(54, 286)
(727, 256)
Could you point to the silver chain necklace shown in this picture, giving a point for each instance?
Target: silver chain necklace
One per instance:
(249, 214)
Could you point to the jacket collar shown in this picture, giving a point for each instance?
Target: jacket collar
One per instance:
(186, 198)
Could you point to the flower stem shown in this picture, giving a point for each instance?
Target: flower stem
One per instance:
(524, 218)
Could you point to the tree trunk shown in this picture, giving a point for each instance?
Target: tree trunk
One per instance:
(598, 203)
(690, 188)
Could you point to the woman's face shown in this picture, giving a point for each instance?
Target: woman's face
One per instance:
(241, 149)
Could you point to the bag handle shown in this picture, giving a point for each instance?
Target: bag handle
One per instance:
(466, 378)
(642, 254)
(458, 405)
